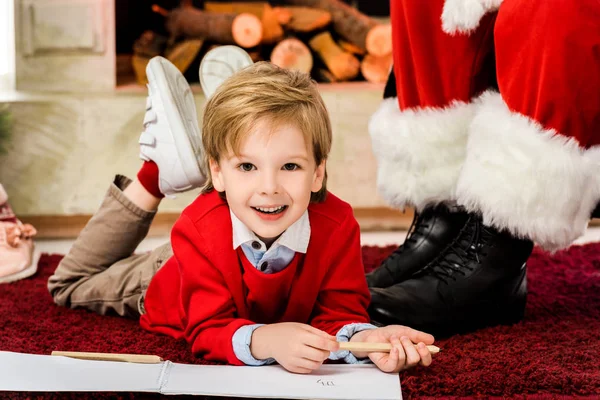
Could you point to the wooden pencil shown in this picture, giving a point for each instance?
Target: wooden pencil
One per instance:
(132, 358)
(376, 347)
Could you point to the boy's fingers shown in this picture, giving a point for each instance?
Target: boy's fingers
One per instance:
(395, 341)
(397, 357)
(390, 363)
(319, 332)
(306, 364)
(315, 354)
(376, 357)
(321, 342)
(297, 370)
(412, 355)
(417, 336)
(425, 355)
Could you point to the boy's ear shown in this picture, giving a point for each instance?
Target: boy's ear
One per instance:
(318, 178)
(216, 175)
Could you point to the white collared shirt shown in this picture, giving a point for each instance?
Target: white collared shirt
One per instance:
(294, 240)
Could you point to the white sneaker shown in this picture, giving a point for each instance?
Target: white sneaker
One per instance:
(171, 137)
(219, 64)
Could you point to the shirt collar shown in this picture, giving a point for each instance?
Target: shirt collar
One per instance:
(295, 238)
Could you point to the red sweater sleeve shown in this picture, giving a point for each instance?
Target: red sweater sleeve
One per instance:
(208, 309)
(344, 296)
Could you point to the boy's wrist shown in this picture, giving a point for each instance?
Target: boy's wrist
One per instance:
(360, 337)
(258, 346)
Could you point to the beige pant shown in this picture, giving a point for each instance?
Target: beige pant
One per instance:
(100, 272)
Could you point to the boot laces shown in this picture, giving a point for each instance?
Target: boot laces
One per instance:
(417, 228)
(458, 257)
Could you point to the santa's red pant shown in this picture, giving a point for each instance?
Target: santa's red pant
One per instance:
(498, 110)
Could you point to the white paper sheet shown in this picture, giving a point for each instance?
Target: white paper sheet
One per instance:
(36, 373)
(335, 381)
(28, 372)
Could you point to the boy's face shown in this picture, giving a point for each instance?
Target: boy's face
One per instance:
(269, 184)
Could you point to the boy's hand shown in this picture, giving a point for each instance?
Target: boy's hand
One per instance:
(404, 353)
(299, 348)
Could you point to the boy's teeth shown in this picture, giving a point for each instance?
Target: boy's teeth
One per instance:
(270, 209)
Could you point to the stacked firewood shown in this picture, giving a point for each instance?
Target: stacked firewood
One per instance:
(327, 38)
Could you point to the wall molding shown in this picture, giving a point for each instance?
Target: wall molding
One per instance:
(69, 226)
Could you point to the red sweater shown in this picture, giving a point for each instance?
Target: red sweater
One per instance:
(207, 290)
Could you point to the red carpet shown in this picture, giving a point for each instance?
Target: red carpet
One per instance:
(554, 353)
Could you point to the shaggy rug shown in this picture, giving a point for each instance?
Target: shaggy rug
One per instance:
(553, 353)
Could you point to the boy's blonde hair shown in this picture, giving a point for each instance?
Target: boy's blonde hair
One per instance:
(265, 91)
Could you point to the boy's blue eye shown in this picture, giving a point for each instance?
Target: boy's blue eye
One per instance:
(291, 167)
(246, 167)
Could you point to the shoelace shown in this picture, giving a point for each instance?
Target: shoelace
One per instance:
(457, 257)
(416, 228)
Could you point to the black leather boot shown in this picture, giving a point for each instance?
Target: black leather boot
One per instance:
(430, 233)
(479, 280)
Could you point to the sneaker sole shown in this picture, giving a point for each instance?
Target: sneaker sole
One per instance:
(219, 64)
(182, 121)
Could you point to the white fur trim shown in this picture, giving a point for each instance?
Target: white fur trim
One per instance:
(419, 151)
(532, 181)
(464, 15)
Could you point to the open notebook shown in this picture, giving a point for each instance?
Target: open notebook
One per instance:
(38, 373)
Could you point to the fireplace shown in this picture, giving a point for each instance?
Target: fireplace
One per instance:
(77, 112)
(83, 45)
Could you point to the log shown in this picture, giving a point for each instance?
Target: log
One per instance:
(305, 19)
(323, 75)
(243, 29)
(343, 65)
(351, 48)
(376, 69)
(159, 10)
(354, 26)
(256, 56)
(138, 63)
(149, 44)
(252, 7)
(272, 31)
(183, 54)
(283, 15)
(379, 40)
(291, 53)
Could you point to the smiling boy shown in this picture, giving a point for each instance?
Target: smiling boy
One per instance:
(265, 264)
